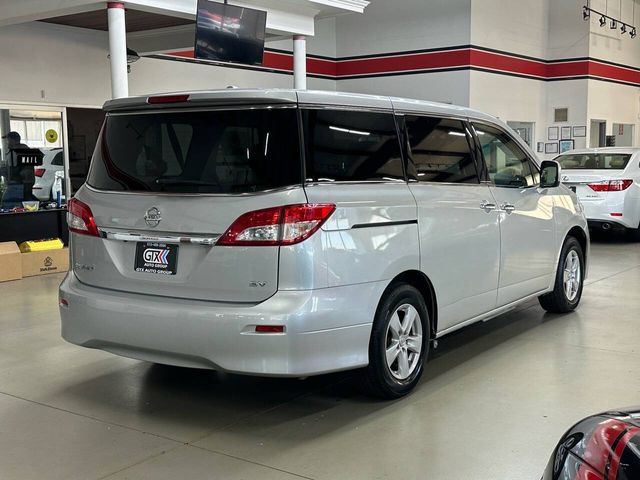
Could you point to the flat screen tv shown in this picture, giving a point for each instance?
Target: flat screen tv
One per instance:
(228, 33)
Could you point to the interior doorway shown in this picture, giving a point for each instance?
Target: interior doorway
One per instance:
(623, 132)
(598, 135)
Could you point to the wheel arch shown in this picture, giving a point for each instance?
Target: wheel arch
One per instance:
(423, 284)
(581, 236)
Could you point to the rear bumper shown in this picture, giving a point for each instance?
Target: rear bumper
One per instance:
(606, 225)
(598, 212)
(326, 330)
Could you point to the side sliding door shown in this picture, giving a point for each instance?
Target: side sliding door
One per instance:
(457, 219)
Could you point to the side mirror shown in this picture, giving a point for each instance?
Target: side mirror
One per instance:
(549, 174)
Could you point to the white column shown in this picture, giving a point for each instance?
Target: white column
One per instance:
(299, 62)
(118, 49)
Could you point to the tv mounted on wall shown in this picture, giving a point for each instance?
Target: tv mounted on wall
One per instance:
(228, 33)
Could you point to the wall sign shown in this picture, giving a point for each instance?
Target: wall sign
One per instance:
(554, 133)
(579, 132)
(51, 135)
(566, 145)
(550, 148)
(565, 133)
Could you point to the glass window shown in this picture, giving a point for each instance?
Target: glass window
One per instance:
(439, 150)
(238, 151)
(351, 146)
(507, 163)
(594, 161)
(58, 159)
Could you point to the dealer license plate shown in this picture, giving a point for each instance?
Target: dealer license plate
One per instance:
(157, 258)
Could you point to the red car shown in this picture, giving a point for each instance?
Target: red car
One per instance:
(600, 447)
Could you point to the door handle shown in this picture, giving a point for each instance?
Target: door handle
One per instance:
(487, 207)
(507, 207)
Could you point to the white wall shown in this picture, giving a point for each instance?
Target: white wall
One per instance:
(517, 27)
(445, 87)
(70, 65)
(399, 25)
(615, 104)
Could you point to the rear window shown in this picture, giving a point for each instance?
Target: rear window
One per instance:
(231, 151)
(594, 161)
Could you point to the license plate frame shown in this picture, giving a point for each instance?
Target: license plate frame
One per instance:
(156, 258)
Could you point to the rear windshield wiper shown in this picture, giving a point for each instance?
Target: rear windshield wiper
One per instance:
(177, 181)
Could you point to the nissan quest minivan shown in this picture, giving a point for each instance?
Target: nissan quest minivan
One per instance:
(295, 233)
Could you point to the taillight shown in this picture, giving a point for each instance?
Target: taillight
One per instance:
(80, 219)
(286, 225)
(611, 185)
(39, 171)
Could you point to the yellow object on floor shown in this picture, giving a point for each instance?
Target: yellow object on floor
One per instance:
(40, 245)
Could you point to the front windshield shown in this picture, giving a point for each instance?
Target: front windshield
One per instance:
(594, 161)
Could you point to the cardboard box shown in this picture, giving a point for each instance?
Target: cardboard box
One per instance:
(10, 262)
(45, 262)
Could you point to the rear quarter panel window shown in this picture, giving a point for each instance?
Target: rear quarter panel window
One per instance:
(439, 150)
(351, 146)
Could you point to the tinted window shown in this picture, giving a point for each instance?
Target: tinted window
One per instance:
(351, 146)
(237, 151)
(439, 150)
(58, 159)
(599, 161)
(507, 163)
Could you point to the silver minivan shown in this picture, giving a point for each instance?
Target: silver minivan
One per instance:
(295, 233)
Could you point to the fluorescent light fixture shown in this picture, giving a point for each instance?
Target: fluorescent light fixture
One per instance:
(346, 130)
(266, 144)
(457, 134)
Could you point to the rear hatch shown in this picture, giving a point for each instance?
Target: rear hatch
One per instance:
(594, 175)
(165, 184)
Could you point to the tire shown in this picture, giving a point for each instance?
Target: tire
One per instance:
(561, 299)
(399, 304)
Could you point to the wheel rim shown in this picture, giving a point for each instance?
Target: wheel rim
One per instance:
(572, 275)
(403, 341)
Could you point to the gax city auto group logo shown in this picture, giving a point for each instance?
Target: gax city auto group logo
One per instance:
(156, 255)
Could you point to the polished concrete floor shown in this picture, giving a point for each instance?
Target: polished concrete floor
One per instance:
(494, 400)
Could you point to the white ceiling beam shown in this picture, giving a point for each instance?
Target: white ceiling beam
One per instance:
(340, 6)
(284, 17)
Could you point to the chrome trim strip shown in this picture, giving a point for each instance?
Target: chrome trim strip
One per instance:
(144, 237)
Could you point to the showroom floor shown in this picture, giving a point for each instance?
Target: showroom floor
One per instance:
(494, 400)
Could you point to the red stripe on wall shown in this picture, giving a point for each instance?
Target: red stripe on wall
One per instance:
(404, 63)
(446, 59)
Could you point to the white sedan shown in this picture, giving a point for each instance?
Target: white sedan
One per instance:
(607, 182)
(52, 162)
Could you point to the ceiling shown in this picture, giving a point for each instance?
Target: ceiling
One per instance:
(137, 21)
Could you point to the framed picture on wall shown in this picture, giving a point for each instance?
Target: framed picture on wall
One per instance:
(566, 145)
(579, 132)
(540, 147)
(565, 133)
(554, 133)
(550, 148)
